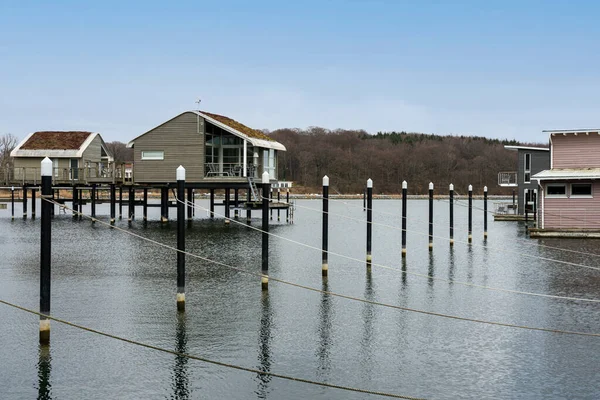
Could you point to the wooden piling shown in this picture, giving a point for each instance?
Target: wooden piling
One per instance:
(236, 203)
(364, 198)
(514, 198)
(485, 213)
(430, 216)
(325, 238)
(131, 204)
(75, 202)
(227, 206)
(113, 194)
(120, 201)
(369, 220)
(12, 201)
(24, 202)
(271, 200)
(164, 199)
(190, 204)
(278, 201)
(266, 189)
(451, 194)
(33, 190)
(535, 207)
(145, 208)
(287, 201)
(180, 238)
(93, 206)
(404, 204)
(45, 253)
(212, 203)
(248, 211)
(470, 235)
(526, 208)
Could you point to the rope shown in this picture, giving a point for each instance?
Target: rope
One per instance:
(392, 306)
(397, 270)
(209, 361)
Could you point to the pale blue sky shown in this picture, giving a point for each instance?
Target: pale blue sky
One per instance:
(504, 69)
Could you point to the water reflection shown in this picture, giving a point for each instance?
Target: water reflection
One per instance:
(431, 270)
(368, 316)
(404, 274)
(451, 265)
(470, 264)
(180, 383)
(44, 369)
(325, 325)
(264, 354)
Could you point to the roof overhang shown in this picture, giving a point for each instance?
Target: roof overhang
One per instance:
(507, 147)
(59, 153)
(567, 173)
(267, 144)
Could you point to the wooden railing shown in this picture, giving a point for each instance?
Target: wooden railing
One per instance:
(507, 178)
(91, 173)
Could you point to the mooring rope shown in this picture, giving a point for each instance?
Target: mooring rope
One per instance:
(209, 361)
(451, 281)
(392, 306)
(573, 264)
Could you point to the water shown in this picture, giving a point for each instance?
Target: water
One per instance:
(111, 281)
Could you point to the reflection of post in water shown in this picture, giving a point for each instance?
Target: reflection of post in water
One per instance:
(470, 264)
(180, 379)
(264, 354)
(404, 273)
(324, 351)
(451, 265)
(368, 314)
(431, 270)
(44, 368)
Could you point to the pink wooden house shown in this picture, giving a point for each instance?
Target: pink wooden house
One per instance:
(570, 190)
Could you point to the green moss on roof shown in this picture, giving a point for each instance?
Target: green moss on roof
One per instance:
(253, 133)
(56, 140)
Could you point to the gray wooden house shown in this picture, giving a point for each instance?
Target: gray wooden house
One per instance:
(212, 148)
(77, 157)
(531, 160)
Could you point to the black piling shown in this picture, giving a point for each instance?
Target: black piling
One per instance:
(470, 236)
(80, 215)
(369, 220)
(113, 194)
(248, 212)
(45, 254)
(54, 193)
(164, 201)
(325, 265)
(514, 198)
(430, 216)
(227, 205)
(451, 194)
(33, 190)
(24, 202)
(535, 208)
(485, 213)
(12, 202)
(525, 201)
(266, 189)
(120, 201)
(287, 209)
(212, 203)
(180, 238)
(145, 209)
(131, 204)
(364, 198)
(190, 203)
(93, 203)
(271, 197)
(278, 201)
(404, 204)
(75, 201)
(236, 203)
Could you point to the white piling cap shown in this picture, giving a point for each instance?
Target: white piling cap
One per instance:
(369, 183)
(325, 180)
(451, 187)
(470, 188)
(265, 177)
(404, 185)
(430, 185)
(180, 173)
(485, 188)
(46, 167)
(12, 188)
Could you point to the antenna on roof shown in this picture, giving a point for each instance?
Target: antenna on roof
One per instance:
(198, 116)
(198, 102)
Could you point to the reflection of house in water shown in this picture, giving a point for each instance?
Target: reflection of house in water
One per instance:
(569, 203)
(531, 160)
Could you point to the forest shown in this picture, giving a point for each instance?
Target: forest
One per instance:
(350, 157)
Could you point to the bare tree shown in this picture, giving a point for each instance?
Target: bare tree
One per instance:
(7, 143)
(120, 152)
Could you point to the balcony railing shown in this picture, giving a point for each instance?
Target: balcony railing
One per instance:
(507, 179)
(94, 172)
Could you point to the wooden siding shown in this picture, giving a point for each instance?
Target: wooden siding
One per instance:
(565, 212)
(182, 145)
(93, 153)
(579, 151)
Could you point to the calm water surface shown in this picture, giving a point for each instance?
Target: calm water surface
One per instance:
(111, 281)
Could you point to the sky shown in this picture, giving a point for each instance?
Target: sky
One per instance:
(500, 69)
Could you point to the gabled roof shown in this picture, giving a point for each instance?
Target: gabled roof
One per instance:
(507, 147)
(254, 136)
(57, 144)
(567, 173)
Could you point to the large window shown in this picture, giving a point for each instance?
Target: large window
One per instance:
(269, 162)
(527, 177)
(556, 190)
(581, 189)
(153, 155)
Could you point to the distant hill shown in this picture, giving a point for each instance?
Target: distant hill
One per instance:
(350, 157)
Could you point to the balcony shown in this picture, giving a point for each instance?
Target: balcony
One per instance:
(507, 179)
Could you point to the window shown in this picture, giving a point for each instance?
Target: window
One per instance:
(153, 155)
(269, 162)
(527, 168)
(556, 190)
(581, 189)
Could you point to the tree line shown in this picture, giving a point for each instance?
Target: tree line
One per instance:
(350, 157)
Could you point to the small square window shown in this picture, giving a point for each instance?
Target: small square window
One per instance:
(581, 189)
